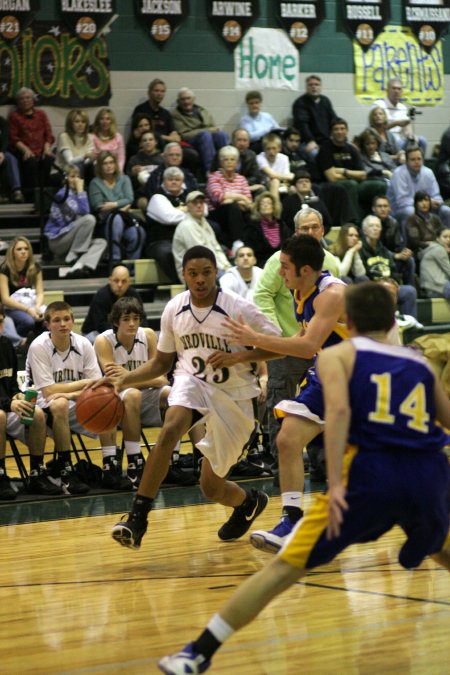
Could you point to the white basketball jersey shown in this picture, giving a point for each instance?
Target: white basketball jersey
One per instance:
(138, 354)
(195, 333)
(46, 365)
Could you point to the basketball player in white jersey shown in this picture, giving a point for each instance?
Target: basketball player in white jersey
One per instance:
(60, 364)
(222, 398)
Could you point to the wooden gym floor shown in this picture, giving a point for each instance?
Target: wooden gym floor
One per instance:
(73, 602)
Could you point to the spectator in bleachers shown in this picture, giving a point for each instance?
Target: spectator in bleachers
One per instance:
(243, 277)
(22, 287)
(165, 210)
(399, 116)
(111, 196)
(422, 227)
(145, 161)
(346, 248)
(194, 230)
(257, 123)
(118, 286)
(376, 163)
(275, 165)
(75, 146)
(299, 160)
(70, 228)
(228, 196)
(247, 165)
(302, 193)
(340, 162)
(172, 156)
(312, 115)
(392, 237)
(435, 266)
(140, 124)
(162, 121)
(409, 179)
(12, 407)
(31, 141)
(10, 181)
(378, 123)
(106, 136)
(443, 165)
(379, 263)
(265, 231)
(196, 125)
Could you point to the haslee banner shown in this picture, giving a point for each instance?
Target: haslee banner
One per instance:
(365, 19)
(161, 17)
(397, 54)
(429, 19)
(16, 16)
(232, 19)
(299, 18)
(57, 66)
(87, 19)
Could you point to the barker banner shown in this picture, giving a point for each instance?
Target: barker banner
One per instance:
(161, 18)
(232, 19)
(365, 19)
(87, 19)
(429, 19)
(299, 18)
(397, 54)
(62, 70)
(16, 16)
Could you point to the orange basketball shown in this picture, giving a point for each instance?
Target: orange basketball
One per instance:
(99, 410)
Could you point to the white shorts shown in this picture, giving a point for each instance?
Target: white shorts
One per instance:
(150, 410)
(15, 428)
(229, 423)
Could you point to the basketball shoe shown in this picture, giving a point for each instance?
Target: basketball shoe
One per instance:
(135, 470)
(112, 478)
(7, 491)
(186, 661)
(243, 516)
(39, 483)
(70, 483)
(129, 532)
(272, 540)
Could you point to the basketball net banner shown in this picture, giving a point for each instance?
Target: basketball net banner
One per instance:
(90, 23)
(161, 19)
(300, 18)
(232, 19)
(428, 19)
(14, 22)
(365, 19)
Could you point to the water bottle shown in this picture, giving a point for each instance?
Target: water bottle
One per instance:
(31, 397)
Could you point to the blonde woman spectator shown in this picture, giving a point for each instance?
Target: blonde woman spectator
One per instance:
(346, 248)
(378, 123)
(265, 232)
(106, 136)
(75, 145)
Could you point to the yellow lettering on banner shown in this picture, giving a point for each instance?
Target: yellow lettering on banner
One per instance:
(396, 53)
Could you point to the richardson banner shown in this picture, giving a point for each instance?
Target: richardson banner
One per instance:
(87, 19)
(365, 19)
(58, 67)
(161, 17)
(232, 19)
(16, 16)
(428, 19)
(300, 18)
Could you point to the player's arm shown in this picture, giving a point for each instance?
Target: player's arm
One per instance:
(334, 367)
(70, 390)
(158, 365)
(152, 343)
(105, 356)
(442, 404)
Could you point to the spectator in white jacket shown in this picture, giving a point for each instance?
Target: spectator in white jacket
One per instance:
(243, 277)
(195, 230)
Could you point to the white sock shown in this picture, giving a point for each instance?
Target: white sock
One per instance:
(132, 448)
(219, 628)
(108, 451)
(292, 499)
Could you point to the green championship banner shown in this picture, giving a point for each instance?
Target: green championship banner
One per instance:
(57, 66)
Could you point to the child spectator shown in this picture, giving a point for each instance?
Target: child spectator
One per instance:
(144, 162)
(275, 165)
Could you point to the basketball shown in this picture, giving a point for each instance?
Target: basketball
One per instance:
(99, 410)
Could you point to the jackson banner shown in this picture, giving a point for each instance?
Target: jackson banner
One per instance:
(88, 19)
(161, 17)
(397, 54)
(365, 19)
(16, 16)
(232, 19)
(429, 19)
(58, 67)
(299, 18)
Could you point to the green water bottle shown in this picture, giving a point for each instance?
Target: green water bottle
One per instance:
(31, 397)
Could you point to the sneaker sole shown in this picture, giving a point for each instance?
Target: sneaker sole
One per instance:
(124, 537)
(262, 544)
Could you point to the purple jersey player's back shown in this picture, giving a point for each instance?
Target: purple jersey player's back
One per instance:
(392, 400)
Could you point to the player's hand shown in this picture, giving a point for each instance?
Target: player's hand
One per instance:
(114, 369)
(240, 332)
(22, 408)
(337, 505)
(222, 359)
(108, 381)
(263, 385)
